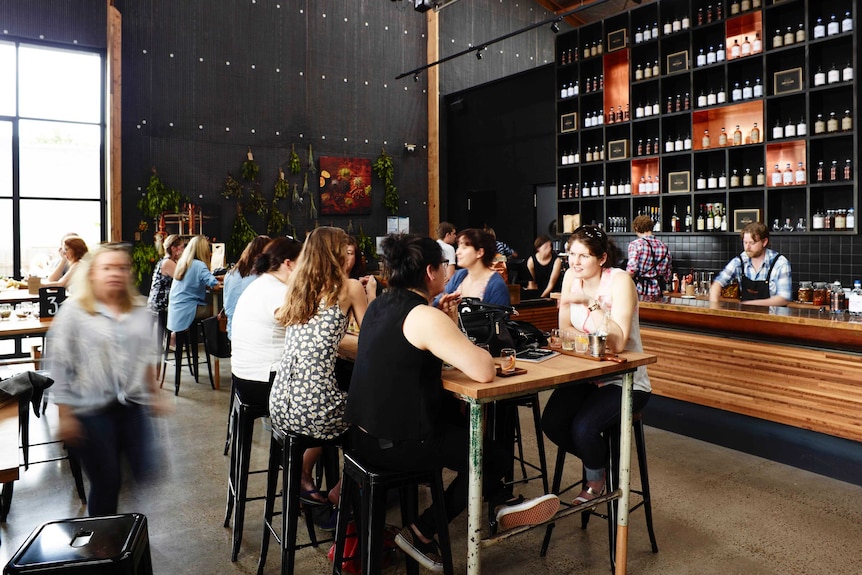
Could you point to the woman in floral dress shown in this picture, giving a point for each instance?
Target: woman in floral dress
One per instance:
(305, 397)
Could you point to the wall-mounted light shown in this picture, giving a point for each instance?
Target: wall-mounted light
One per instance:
(555, 27)
(415, 77)
(479, 54)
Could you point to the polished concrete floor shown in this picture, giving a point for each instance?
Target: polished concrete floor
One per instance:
(717, 511)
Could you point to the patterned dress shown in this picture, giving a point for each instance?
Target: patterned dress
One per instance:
(305, 397)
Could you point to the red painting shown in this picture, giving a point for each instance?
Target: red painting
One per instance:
(345, 186)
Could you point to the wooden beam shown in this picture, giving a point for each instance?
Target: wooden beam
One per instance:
(433, 54)
(114, 123)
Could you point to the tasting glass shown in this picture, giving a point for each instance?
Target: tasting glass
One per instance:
(5, 311)
(582, 343)
(507, 359)
(567, 339)
(554, 339)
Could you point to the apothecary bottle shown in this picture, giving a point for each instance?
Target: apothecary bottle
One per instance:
(734, 179)
(833, 27)
(761, 177)
(722, 137)
(819, 29)
(819, 125)
(800, 33)
(778, 39)
(847, 22)
(705, 140)
(758, 88)
(777, 130)
(832, 123)
(846, 121)
(746, 178)
(776, 176)
(754, 135)
(787, 176)
(819, 77)
(847, 72)
(737, 136)
(801, 127)
(790, 129)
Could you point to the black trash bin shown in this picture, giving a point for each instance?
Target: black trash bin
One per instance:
(110, 545)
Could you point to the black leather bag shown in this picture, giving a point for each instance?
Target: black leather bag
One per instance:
(491, 324)
(217, 343)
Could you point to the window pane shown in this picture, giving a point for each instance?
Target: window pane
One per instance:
(59, 160)
(5, 159)
(7, 79)
(6, 239)
(45, 222)
(60, 84)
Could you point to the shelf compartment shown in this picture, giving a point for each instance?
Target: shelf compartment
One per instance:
(645, 168)
(739, 28)
(782, 154)
(616, 71)
(783, 205)
(744, 114)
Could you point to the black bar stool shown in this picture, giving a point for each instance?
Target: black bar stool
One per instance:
(371, 485)
(285, 451)
(186, 340)
(612, 478)
(242, 420)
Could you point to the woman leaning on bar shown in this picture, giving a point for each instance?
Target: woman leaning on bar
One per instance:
(596, 297)
(402, 419)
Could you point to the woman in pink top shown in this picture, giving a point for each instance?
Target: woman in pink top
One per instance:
(596, 298)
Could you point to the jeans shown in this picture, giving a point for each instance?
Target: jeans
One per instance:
(576, 416)
(109, 433)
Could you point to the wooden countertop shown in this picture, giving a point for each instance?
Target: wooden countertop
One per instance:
(14, 327)
(797, 324)
(9, 441)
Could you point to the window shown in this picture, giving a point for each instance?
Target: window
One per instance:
(52, 149)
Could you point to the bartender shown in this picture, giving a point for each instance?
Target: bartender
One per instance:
(763, 274)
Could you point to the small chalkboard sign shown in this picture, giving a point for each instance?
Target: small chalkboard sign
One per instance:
(677, 62)
(50, 299)
(787, 81)
(617, 40)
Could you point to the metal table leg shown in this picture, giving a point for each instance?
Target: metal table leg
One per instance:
(474, 502)
(625, 473)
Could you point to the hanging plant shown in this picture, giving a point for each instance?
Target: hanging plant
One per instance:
(250, 169)
(312, 209)
(385, 171)
(241, 234)
(295, 166)
(282, 187)
(296, 199)
(278, 219)
(231, 189)
(311, 167)
(144, 258)
(366, 245)
(257, 202)
(158, 199)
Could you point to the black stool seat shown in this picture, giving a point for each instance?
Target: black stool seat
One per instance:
(242, 419)
(372, 484)
(285, 451)
(611, 481)
(186, 340)
(110, 545)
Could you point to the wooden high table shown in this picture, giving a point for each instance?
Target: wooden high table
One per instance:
(552, 373)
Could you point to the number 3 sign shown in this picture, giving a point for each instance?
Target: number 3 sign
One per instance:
(50, 299)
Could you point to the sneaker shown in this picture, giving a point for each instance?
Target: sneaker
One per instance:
(426, 554)
(527, 512)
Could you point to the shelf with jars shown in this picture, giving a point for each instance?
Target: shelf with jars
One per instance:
(700, 102)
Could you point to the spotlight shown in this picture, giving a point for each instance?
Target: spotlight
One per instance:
(415, 77)
(479, 54)
(555, 27)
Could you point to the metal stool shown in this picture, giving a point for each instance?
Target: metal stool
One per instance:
(242, 418)
(286, 451)
(111, 545)
(187, 339)
(372, 485)
(612, 439)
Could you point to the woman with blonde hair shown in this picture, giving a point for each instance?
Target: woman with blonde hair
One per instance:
(187, 299)
(103, 358)
(305, 396)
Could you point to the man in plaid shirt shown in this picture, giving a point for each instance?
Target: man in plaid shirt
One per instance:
(649, 261)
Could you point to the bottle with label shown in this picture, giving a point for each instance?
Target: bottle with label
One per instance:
(687, 225)
(832, 123)
(720, 54)
(747, 179)
(746, 47)
(757, 45)
(848, 170)
(761, 177)
(721, 95)
(778, 39)
(776, 176)
(722, 180)
(777, 130)
(710, 221)
(735, 50)
(747, 91)
(716, 217)
(819, 77)
(846, 121)
(736, 93)
(801, 127)
(840, 220)
(800, 33)
(674, 220)
(711, 98)
(819, 125)
(833, 76)
(734, 7)
(790, 129)
(754, 135)
(711, 181)
(799, 176)
(789, 36)
(854, 305)
(787, 176)
(701, 58)
(722, 137)
(734, 179)
(686, 143)
(847, 72)
(817, 221)
(701, 223)
(851, 218)
(737, 136)
(819, 174)
(745, 5)
(705, 140)
(700, 183)
(819, 29)
(833, 27)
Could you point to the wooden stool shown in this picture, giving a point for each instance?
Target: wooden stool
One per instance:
(611, 479)
(370, 514)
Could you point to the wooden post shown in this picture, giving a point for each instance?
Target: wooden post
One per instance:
(114, 139)
(433, 103)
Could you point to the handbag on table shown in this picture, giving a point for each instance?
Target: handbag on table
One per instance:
(490, 324)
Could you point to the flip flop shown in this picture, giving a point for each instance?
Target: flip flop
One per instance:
(591, 493)
(309, 497)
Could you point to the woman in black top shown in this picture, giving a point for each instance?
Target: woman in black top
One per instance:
(401, 417)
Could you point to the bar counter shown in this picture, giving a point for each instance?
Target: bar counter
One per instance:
(794, 365)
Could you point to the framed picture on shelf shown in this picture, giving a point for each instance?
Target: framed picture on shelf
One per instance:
(677, 62)
(678, 182)
(788, 81)
(618, 149)
(617, 40)
(568, 122)
(743, 217)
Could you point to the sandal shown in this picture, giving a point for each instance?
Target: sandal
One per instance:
(588, 495)
(313, 497)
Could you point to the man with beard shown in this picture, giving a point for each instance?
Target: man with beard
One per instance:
(763, 273)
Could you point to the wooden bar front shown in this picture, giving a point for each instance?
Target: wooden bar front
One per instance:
(798, 367)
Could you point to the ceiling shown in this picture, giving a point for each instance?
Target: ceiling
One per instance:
(593, 9)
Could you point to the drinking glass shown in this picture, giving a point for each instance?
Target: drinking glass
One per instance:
(567, 339)
(5, 311)
(507, 359)
(22, 310)
(582, 343)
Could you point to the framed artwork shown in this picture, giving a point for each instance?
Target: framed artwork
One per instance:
(677, 62)
(788, 81)
(743, 217)
(345, 186)
(568, 122)
(617, 40)
(678, 182)
(618, 149)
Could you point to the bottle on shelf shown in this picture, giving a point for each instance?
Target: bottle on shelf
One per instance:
(711, 98)
(705, 140)
(789, 36)
(737, 136)
(776, 176)
(799, 177)
(833, 27)
(688, 219)
(790, 129)
(734, 179)
(758, 88)
(674, 221)
(711, 181)
(819, 173)
(701, 100)
(735, 50)
(734, 7)
(778, 39)
(745, 48)
(721, 95)
(777, 130)
(700, 183)
(840, 221)
(847, 72)
(747, 179)
(710, 218)
(747, 91)
(819, 29)
(701, 58)
(819, 77)
(722, 180)
(833, 76)
(639, 73)
(819, 125)
(736, 93)
(787, 176)
(848, 170)
(722, 137)
(754, 135)
(701, 223)
(800, 225)
(757, 44)
(847, 22)
(851, 218)
(801, 127)
(761, 177)
(817, 222)
(655, 69)
(800, 33)
(846, 121)
(686, 143)
(832, 123)
(745, 5)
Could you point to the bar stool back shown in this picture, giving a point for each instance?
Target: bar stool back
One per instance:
(370, 514)
(110, 545)
(612, 479)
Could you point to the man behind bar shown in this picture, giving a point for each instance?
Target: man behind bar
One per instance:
(763, 274)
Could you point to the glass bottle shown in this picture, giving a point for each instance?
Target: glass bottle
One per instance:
(686, 143)
(678, 145)
(710, 218)
(701, 224)
(819, 77)
(819, 173)
(746, 179)
(776, 226)
(701, 100)
(655, 68)
(819, 125)
(789, 36)
(776, 176)
(800, 33)
(687, 225)
(757, 44)
(833, 76)
(833, 27)
(735, 50)
(847, 22)
(799, 176)
(817, 221)
(787, 176)
(722, 180)
(801, 127)
(777, 130)
(700, 183)
(778, 39)
(720, 54)
(745, 5)
(721, 95)
(840, 220)
(832, 123)
(848, 171)
(734, 179)
(722, 137)
(847, 72)
(734, 7)
(737, 136)
(711, 98)
(711, 56)
(758, 88)
(790, 130)
(754, 135)
(761, 177)
(851, 218)
(668, 146)
(819, 29)
(736, 93)
(701, 58)
(746, 47)
(705, 140)
(639, 73)
(747, 91)
(711, 181)
(846, 121)
(833, 171)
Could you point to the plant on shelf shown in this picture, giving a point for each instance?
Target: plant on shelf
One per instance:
(385, 171)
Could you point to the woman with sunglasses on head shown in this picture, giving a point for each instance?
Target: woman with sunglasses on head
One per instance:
(476, 278)
(596, 298)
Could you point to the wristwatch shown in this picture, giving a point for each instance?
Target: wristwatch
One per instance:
(594, 306)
